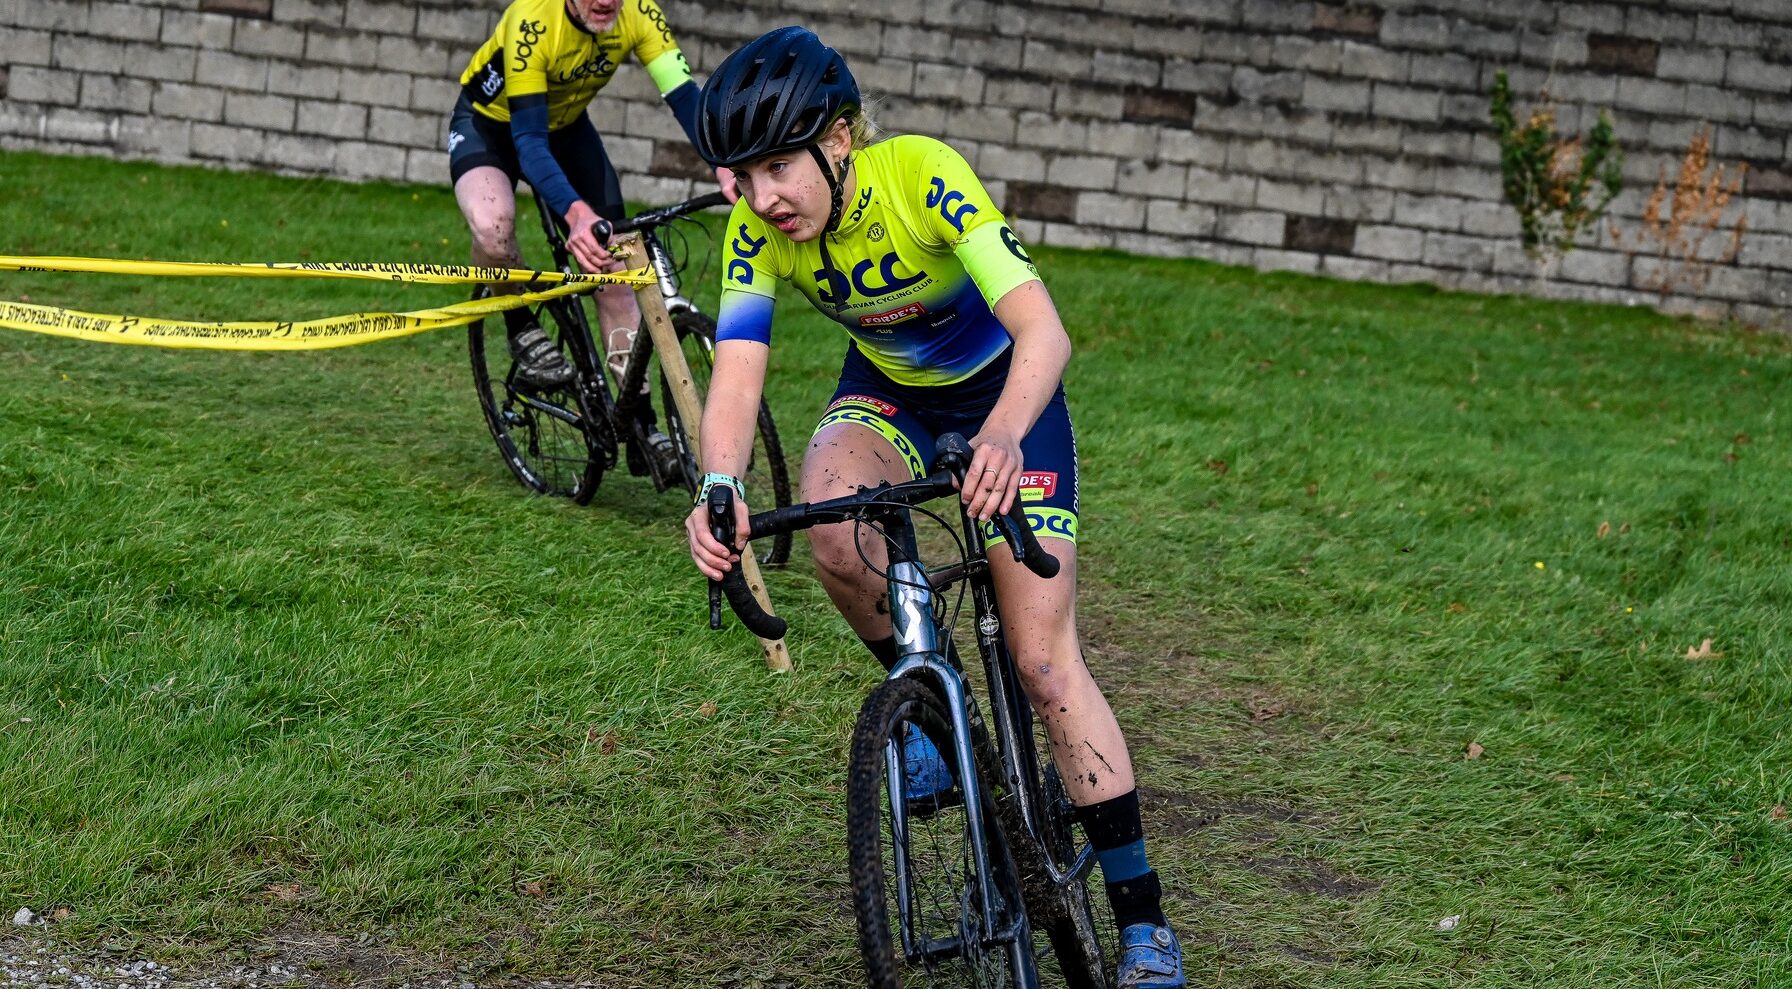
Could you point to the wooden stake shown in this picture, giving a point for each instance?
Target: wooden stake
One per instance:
(690, 411)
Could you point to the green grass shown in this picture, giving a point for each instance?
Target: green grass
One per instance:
(283, 619)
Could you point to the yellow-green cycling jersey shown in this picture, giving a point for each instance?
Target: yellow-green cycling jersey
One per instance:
(920, 259)
(538, 49)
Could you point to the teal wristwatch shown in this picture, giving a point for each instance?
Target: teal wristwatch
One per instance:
(712, 479)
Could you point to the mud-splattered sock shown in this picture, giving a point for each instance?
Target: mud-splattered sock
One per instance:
(1114, 828)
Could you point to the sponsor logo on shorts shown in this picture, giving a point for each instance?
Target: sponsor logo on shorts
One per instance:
(454, 139)
(1038, 485)
(878, 405)
(1055, 523)
(909, 311)
(883, 427)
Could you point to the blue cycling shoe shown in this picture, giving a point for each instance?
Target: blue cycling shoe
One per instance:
(927, 782)
(1151, 959)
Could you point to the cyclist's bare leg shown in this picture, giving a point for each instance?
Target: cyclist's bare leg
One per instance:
(1087, 745)
(1040, 616)
(488, 202)
(841, 458)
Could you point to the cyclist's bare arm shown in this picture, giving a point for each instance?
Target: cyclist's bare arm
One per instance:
(1041, 352)
(729, 421)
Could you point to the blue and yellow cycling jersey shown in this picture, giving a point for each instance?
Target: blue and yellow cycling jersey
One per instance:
(919, 261)
(538, 49)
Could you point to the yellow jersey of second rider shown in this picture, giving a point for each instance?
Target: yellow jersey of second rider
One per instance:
(539, 49)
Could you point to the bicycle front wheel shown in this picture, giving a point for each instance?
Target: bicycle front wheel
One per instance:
(918, 888)
(767, 476)
(552, 439)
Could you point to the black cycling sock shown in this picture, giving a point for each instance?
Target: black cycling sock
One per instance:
(517, 320)
(644, 415)
(1138, 900)
(885, 651)
(1118, 834)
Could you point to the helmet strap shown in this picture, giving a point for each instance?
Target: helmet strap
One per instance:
(837, 206)
(836, 185)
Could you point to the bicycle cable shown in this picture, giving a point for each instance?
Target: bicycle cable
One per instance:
(950, 530)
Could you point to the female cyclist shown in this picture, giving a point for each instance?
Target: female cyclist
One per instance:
(951, 331)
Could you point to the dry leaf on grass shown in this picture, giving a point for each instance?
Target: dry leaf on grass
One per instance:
(1778, 813)
(1457, 607)
(1563, 777)
(608, 746)
(1475, 750)
(284, 892)
(534, 888)
(63, 913)
(1218, 466)
(1264, 712)
(1605, 529)
(708, 709)
(1702, 651)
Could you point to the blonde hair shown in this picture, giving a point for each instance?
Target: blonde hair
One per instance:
(863, 126)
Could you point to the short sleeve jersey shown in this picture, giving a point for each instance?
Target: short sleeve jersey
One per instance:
(920, 259)
(539, 49)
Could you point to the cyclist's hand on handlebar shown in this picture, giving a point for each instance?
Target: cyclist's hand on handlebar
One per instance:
(725, 181)
(583, 241)
(993, 480)
(711, 556)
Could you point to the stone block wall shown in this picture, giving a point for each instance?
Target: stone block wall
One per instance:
(1347, 138)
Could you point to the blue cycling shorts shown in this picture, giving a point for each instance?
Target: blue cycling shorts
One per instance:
(911, 417)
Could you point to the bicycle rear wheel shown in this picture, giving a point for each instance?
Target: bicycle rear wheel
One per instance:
(767, 477)
(914, 866)
(553, 440)
(1083, 937)
(1074, 914)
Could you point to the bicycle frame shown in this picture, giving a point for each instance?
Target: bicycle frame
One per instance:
(631, 388)
(921, 652)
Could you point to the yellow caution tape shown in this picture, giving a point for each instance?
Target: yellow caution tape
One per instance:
(313, 334)
(438, 274)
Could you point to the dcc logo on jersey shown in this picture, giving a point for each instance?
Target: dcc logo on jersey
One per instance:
(834, 288)
(745, 247)
(953, 209)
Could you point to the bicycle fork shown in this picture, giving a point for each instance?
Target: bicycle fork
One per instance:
(921, 654)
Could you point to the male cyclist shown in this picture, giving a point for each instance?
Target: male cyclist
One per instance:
(521, 115)
(951, 330)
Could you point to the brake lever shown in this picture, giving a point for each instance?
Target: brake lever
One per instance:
(720, 510)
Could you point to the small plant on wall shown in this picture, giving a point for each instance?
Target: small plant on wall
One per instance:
(1682, 219)
(1560, 185)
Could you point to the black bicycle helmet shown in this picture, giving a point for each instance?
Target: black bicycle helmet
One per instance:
(778, 92)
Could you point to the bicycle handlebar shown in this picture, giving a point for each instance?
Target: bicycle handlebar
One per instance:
(950, 463)
(660, 217)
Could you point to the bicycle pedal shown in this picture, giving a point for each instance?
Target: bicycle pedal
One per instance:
(922, 808)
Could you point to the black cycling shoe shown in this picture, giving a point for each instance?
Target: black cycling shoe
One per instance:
(538, 361)
(666, 461)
